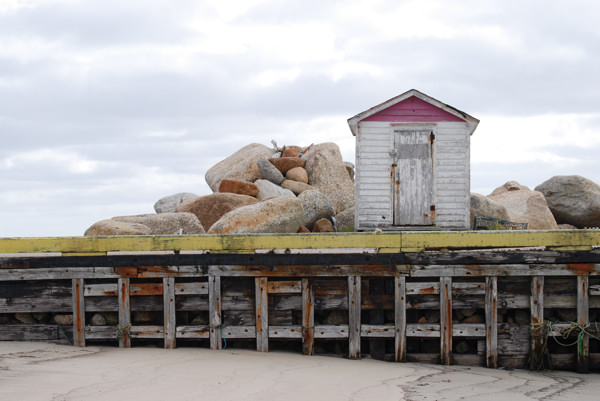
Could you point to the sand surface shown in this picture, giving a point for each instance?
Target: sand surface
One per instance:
(39, 371)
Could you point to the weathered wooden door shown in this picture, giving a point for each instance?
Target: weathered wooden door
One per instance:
(413, 178)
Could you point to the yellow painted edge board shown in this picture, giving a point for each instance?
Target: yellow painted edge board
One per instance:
(214, 243)
(384, 242)
(500, 239)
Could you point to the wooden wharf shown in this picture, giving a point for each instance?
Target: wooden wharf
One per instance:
(515, 299)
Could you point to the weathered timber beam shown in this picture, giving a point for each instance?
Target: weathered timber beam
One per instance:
(574, 269)
(202, 260)
(500, 256)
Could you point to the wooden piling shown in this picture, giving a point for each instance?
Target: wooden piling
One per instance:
(491, 322)
(170, 328)
(308, 317)
(354, 303)
(400, 319)
(78, 313)
(446, 320)
(262, 315)
(538, 331)
(214, 312)
(124, 329)
(583, 344)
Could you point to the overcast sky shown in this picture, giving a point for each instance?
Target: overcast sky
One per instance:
(107, 106)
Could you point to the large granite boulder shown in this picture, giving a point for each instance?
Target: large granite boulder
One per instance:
(238, 187)
(573, 200)
(525, 205)
(267, 190)
(284, 164)
(323, 226)
(297, 174)
(112, 227)
(210, 208)
(166, 223)
(239, 166)
(291, 151)
(295, 186)
(278, 215)
(481, 205)
(344, 221)
(269, 172)
(315, 206)
(169, 203)
(327, 173)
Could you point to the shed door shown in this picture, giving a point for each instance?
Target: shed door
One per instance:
(413, 178)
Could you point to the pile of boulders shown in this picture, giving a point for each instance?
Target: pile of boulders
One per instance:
(258, 189)
(562, 202)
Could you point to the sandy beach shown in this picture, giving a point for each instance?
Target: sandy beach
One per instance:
(40, 371)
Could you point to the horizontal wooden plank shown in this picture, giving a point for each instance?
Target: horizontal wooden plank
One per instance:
(111, 289)
(199, 332)
(284, 287)
(332, 332)
(238, 332)
(468, 330)
(422, 288)
(377, 331)
(191, 288)
(423, 330)
(285, 331)
(101, 332)
(35, 332)
(147, 331)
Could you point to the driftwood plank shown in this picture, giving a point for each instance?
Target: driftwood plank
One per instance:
(491, 322)
(583, 318)
(78, 313)
(354, 303)
(400, 319)
(214, 313)
(124, 314)
(446, 320)
(308, 317)
(169, 311)
(262, 315)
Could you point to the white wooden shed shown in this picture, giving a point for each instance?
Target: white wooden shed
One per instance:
(412, 165)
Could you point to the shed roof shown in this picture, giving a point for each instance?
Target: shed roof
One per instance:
(470, 120)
